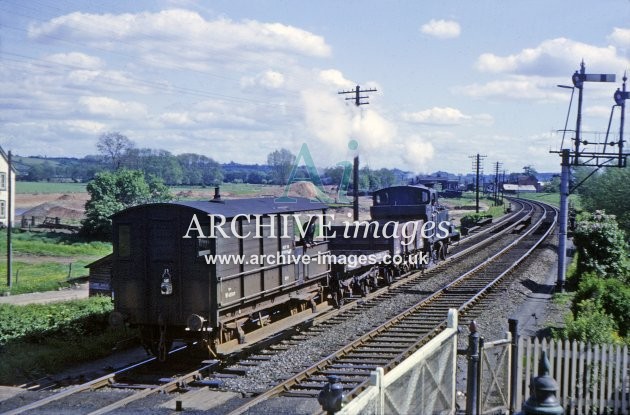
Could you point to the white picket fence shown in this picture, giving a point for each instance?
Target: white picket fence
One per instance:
(592, 379)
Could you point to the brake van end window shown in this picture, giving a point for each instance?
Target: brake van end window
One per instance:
(124, 241)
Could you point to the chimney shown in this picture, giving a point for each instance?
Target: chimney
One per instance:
(217, 195)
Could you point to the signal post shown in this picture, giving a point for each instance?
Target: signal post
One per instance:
(578, 157)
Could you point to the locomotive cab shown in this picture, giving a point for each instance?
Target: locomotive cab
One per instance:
(416, 202)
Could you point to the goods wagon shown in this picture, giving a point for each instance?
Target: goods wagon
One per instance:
(203, 270)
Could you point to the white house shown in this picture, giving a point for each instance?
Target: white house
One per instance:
(4, 190)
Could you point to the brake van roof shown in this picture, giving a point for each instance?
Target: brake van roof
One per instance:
(252, 206)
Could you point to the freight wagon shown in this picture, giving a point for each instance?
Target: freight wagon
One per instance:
(202, 270)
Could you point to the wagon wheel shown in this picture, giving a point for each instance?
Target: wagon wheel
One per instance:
(444, 250)
(337, 298)
(365, 289)
(154, 347)
(150, 340)
(439, 252)
(436, 254)
(388, 277)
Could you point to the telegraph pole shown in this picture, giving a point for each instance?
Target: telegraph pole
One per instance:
(357, 95)
(497, 166)
(9, 224)
(477, 166)
(355, 176)
(580, 157)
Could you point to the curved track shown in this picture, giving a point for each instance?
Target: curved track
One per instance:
(393, 341)
(373, 349)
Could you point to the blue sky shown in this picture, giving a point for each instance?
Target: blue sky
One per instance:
(236, 80)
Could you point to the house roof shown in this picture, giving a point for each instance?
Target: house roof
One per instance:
(106, 259)
(6, 158)
(519, 187)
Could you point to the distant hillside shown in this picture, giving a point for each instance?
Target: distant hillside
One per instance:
(68, 169)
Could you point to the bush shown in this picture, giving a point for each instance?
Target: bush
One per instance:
(601, 247)
(609, 295)
(37, 322)
(591, 324)
(472, 219)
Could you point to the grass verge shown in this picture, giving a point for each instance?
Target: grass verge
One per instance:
(38, 339)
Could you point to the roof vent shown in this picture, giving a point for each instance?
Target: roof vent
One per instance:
(217, 195)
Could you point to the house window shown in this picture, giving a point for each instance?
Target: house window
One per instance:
(3, 209)
(3, 181)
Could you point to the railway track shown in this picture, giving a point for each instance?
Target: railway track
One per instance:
(396, 339)
(152, 382)
(463, 249)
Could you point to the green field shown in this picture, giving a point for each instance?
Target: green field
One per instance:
(45, 187)
(238, 189)
(551, 198)
(46, 261)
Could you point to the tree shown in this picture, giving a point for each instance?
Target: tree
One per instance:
(609, 191)
(113, 146)
(111, 192)
(198, 169)
(160, 163)
(601, 247)
(530, 171)
(281, 163)
(41, 171)
(334, 175)
(553, 186)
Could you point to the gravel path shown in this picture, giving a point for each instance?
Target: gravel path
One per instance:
(75, 292)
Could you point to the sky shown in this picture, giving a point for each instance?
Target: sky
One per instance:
(235, 80)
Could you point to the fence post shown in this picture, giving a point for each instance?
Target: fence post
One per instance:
(331, 395)
(514, 386)
(472, 381)
(543, 398)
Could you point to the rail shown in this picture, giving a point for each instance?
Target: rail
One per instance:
(407, 332)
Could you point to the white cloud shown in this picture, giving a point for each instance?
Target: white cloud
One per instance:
(326, 117)
(83, 126)
(441, 29)
(416, 153)
(445, 116)
(620, 37)
(335, 78)
(176, 118)
(554, 57)
(597, 111)
(268, 79)
(158, 37)
(372, 130)
(518, 87)
(113, 108)
(80, 60)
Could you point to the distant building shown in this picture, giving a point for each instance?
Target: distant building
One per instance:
(519, 188)
(4, 190)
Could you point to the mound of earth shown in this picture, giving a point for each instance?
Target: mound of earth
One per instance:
(304, 189)
(66, 207)
(51, 209)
